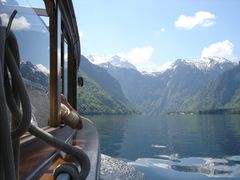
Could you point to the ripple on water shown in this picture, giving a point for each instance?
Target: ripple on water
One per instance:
(158, 146)
(171, 166)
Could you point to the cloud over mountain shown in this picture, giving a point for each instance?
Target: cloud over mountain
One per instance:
(219, 49)
(140, 57)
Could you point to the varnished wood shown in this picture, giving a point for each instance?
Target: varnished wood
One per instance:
(48, 175)
(86, 139)
(72, 36)
(72, 80)
(36, 156)
(54, 119)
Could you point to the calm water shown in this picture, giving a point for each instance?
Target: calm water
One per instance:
(174, 146)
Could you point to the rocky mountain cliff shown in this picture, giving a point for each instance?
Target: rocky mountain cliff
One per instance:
(172, 89)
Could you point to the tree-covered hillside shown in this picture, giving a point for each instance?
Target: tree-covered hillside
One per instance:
(101, 93)
(222, 93)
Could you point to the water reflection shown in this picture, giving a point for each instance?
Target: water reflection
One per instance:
(188, 168)
(136, 136)
(201, 147)
(33, 40)
(111, 131)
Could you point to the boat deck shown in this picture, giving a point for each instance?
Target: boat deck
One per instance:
(38, 159)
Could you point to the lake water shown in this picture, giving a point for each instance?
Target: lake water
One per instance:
(174, 146)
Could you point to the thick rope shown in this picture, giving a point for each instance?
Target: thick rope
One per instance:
(7, 157)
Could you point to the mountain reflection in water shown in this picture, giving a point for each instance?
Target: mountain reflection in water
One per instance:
(174, 146)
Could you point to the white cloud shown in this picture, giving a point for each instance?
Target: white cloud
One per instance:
(159, 31)
(17, 24)
(219, 49)
(3, 1)
(140, 57)
(162, 29)
(80, 34)
(204, 19)
(150, 67)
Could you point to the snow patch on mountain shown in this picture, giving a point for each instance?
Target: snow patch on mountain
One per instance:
(109, 61)
(42, 68)
(38, 67)
(202, 64)
(120, 62)
(208, 63)
(98, 59)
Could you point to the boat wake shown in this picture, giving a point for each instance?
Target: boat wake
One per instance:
(112, 168)
(173, 167)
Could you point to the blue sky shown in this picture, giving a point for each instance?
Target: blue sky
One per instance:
(151, 33)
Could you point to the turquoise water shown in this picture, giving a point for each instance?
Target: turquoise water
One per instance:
(174, 146)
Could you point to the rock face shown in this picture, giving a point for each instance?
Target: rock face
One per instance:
(36, 79)
(116, 61)
(222, 93)
(35, 73)
(103, 78)
(186, 85)
(101, 93)
(173, 89)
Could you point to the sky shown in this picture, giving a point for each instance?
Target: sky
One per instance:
(153, 33)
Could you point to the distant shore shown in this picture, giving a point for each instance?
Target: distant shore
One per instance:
(210, 111)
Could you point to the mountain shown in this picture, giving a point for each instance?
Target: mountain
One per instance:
(186, 85)
(101, 93)
(204, 64)
(97, 59)
(170, 90)
(126, 74)
(185, 80)
(135, 86)
(93, 99)
(35, 73)
(116, 61)
(43, 69)
(103, 88)
(222, 93)
(103, 78)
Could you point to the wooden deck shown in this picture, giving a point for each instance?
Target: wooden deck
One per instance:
(38, 159)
